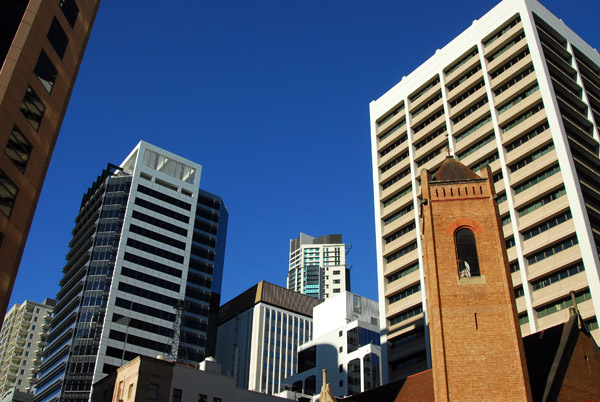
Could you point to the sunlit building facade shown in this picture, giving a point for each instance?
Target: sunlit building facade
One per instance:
(517, 91)
(318, 266)
(22, 341)
(146, 240)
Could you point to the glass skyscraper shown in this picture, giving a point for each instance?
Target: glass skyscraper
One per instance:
(146, 240)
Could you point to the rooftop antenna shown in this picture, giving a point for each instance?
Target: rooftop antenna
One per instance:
(177, 352)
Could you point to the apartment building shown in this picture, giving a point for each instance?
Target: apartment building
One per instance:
(22, 340)
(259, 334)
(143, 274)
(41, 48)
(318, 266)
(518, 91)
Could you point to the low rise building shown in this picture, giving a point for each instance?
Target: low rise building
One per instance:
(148, 379)
(346, 343)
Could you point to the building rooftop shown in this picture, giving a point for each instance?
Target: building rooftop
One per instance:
(268, 293)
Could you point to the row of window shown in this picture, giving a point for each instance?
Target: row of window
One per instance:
(168, 240)
(563, 303)
(402, 273)
(162, 210)
(550, 251)
(405, 315)
(150, 279)
(398, 214)
(404, 293)
(155, 250)
(157, 266)
(159, 223)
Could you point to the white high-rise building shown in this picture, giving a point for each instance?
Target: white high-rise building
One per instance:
(346, 342)
(518, 91)
(318, 266)
(22, 341)
(146, 240)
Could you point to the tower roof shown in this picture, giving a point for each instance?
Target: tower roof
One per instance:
(451, 169)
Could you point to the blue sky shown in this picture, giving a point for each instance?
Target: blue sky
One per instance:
(271, 97)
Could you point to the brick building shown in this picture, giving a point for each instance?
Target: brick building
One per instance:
(477, 352)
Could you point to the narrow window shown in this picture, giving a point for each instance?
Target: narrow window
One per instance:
(466, 250)
(58, 38)
(8, 194)
(45, 71)
(176, 395)
(33, 108)
(153, 392)
(70, 10)
(18, 148)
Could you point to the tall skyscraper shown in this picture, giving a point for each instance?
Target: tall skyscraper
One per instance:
(318, 266)
(259, 334)
(146, 240)
(41, 47)
(520, 92)
(22, 341)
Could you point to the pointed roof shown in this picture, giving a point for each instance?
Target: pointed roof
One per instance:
(452, 170)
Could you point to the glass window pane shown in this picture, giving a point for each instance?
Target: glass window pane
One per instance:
(70, 10)
(33, 108)
(45, 71)
(8, 193)
(58, 38)
(18, 148)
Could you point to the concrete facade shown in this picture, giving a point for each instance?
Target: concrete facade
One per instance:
(518, 91)
(259, 335)
(145, 379)
(22, 341)
(147, 240)
(318, 266)
(346, 343)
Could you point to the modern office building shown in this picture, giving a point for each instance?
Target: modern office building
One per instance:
(318, 266)
(520, 92)
(259, 334)
(22, 341)
(146, 241)
(346, 342)
(41, 47)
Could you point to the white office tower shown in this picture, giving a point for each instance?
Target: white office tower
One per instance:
(318, 266)
(22, 341)
(259, 334)
(346, 343)
(520, 92)
(142, 277)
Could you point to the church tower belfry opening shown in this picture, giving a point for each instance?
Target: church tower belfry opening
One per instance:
(476, 345)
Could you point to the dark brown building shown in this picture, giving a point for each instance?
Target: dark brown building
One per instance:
(41, 46)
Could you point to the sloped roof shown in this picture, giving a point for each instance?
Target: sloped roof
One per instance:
(451, 170)
(548, 354)
(415, 388)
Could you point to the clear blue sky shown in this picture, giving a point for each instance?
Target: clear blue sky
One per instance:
(270, 96)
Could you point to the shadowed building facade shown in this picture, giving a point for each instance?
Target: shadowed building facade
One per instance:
(41, 48)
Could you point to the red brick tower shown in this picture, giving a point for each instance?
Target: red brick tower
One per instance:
(476, 346)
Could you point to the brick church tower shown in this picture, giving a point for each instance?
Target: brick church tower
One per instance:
(476, 347)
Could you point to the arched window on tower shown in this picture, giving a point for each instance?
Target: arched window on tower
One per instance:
(466, 253)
